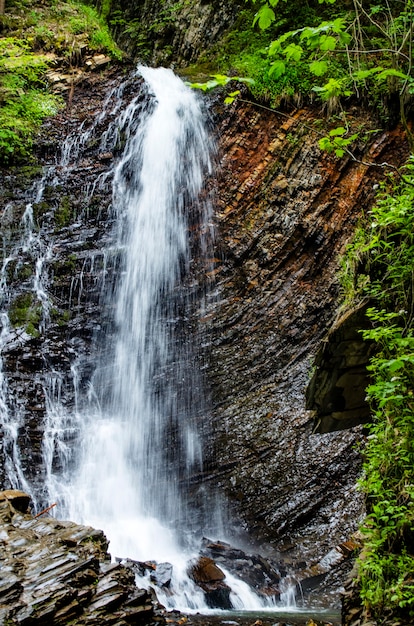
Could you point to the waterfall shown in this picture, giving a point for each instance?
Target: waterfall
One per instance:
(137, 431)
(124, 452)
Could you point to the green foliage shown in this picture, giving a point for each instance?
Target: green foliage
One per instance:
(383, 256)
(336, 141)
(86, 20)
(30, 31)
(364, 52)
(265, 16)
(25, 103)
(220, 80)
(63, 213)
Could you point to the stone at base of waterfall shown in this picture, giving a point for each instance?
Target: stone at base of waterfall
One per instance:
(162, 574)
(58, 572)
(210, 578)
(159, 573)
(261, 574)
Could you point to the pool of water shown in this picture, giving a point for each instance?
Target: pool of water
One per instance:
(294, 617)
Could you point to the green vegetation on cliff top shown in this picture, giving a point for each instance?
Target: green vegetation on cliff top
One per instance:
(337, 54)
(34, 37)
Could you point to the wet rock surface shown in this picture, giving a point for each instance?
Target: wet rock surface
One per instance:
(285, 212)
(210, 578)
(58, 572)
(259, 573)
(171, 32)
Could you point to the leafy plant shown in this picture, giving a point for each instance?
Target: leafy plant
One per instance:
(364, 52)
(27, 34)
(336, 141)
(220, 80)
(383, 254)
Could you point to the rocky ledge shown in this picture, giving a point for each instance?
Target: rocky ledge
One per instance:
(55, 572)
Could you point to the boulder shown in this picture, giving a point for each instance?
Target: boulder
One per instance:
(210, 578)
(204, 570)
(262, 574)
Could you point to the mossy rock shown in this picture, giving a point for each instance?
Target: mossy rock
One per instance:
(26, 311)
(64, 214)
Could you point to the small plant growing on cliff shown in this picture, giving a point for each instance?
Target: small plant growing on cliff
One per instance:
(26, 312)
(25, 103)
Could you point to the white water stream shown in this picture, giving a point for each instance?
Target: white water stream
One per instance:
(136, 427)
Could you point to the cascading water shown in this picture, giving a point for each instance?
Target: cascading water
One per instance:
(122, 455)
(139, 438)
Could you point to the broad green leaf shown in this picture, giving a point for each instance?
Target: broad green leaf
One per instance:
(241, 79)
(344, 38)
(327, 42)
(275, 48)
(288, 35)
(394, 365)
(318, 68)
(293, 51)
(391, 72)
(338, 25)
(325, 144)
(362, 74)
(231, 97)
(221, 79)
(277, 69)
(335, 132)
(264, 17)
(202, 86)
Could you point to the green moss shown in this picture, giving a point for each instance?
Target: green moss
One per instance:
(23, 272)
(61, 318)
(40, 209)
(30, 30)
(64, 213)
(65, 267)
(25, 311)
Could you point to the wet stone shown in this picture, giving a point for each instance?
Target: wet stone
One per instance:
(54, 583)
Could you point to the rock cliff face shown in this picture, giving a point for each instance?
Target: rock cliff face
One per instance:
(283, 213)
(172, 32)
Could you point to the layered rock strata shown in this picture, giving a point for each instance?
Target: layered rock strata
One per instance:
(58, 572)
(285, 212)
